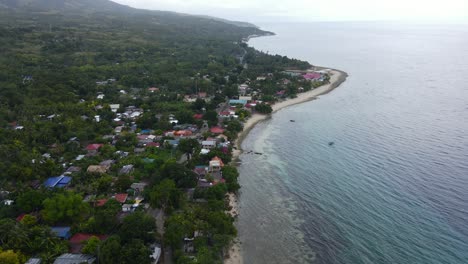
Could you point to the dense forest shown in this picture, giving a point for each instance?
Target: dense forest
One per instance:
(86, 82)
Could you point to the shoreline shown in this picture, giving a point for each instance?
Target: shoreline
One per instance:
(336, 79)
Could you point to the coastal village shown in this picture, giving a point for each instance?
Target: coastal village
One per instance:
(146, 163)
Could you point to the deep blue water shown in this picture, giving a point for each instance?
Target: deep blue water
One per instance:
(394, 186)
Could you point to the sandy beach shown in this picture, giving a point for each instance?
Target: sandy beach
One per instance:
(337, 77)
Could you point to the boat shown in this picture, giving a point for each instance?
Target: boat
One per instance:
(292, 120)
(331, 143)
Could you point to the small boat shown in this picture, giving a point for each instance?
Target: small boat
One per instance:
(331, 143)
(292, 120)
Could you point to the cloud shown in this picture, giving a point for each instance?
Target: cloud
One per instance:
(323, 10)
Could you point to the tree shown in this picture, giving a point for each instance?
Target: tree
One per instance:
(263, 108)
(177, 227)
(234, 126)
(64, 207)
(135, 252)
(109, 252)
(199, 104)
(183, 177)
(31, 200)
(188, 146)
(166, 195)
(123, 183)
(185, 117)
(212, 117)
(91, 246)
(138, 226)
(230, 174)
(10, 257)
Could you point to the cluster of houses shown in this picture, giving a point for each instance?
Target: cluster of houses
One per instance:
(208, 175)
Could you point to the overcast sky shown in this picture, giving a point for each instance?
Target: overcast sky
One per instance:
(314, 10)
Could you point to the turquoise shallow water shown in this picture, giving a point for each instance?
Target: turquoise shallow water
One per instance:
(394, 186)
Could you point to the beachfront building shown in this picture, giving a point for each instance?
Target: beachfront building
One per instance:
(216, 164)
(234, 102)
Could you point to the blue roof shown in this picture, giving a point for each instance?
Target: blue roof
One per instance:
(172, 142)
(242, 102)
(59, 182)
(145, 131)
(62, 232)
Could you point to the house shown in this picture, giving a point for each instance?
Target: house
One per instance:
(173, 121)
(100, 96)
(62, 232)
(201, 170)
(127, 208)
(202, 95)
(247, 98)
(74, 259)
(57, 182)
(127, 169)
(72, 169)
(198, 116)
(224, 114)
(216, 164)
(8, 202)
(153, 144)
(174, 143)
(20, 217)
(261, 78)
(114, 107)
(107, 164)
(183, 133)
(153, 89)
(203, 183)
(280, 93)
(222, 137)
(312, 76)
(121, 197)
(100, 202)
(138, 186)
(77, 241)
(118, 129)
(97, 169)
(293, 73)
(156, 253)
(93, 148)
(237, 102)
(34, 261)
(216, 130)
(138, 150)
(208, 144)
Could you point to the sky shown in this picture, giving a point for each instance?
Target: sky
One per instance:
(314, 10)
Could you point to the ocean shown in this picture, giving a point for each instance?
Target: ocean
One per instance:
(393, 188)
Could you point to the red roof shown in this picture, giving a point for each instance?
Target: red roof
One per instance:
(20, 217)
(198, 116)
(79, 238)
(183, 133)
(217, 130)
(142, 137)
(225, 113)
(101, 202)
(94, 146)
(218, 159)
(121, 197)
(312, 76)
(153, 144)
